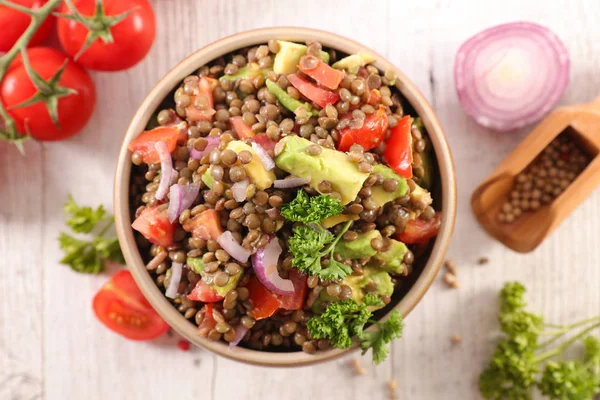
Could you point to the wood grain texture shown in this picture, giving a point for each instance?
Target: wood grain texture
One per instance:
(52, 346)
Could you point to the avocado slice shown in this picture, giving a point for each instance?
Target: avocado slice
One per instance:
(208, 179)
(197, 266)
(391, 260)
(353, 62)
(338, 219)
(249, 71)
(359, 248)
(330, 165)
(288, 101)
(255, 169)
(379, 195)
(357, 283)
(420, 194)
(289, 54)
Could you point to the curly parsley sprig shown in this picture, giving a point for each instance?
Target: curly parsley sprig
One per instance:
(87, 256)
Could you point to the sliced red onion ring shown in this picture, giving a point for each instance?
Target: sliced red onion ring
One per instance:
(176, 271)
(264, 262)
(232, 247)
(213, 143)
(166, 169)
(290, 182)
(238, 190)
(240, 332)
(180, 198)
(267, 161)
(511, 75)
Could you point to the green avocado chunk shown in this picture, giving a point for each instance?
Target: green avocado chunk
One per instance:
(330, 165)
(391, 260)
(286, 100)
(208, 179)
(289, 54)
(379, 195)
(353, 62)
(359, 248)
(197, 266)
(249, 71)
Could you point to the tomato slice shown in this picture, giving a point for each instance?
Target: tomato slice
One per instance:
(206, 225)
(295, 301)
(320, 96)
(155, 226)
(208, 323)
(121, 306)
(369, 136)
(204, 293)
(323, 74)
(265, 302)
(242, 130)
(263, 140)
(374, 97)
(206, 86)
(419, 230)
(398, 148)
(145, 142)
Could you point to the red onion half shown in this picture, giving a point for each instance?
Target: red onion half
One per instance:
(511, 75)
(166, 169)
(264, 262)
(180, 198)
(213, 143)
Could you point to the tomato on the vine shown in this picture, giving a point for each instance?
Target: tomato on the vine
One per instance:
(132, 36)
(13, 23)
(73, 109)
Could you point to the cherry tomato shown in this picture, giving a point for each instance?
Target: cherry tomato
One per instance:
(322, 73)
(205, 225)
(144, 143)
(132, 37)
(240, 128)
(155, 226)
(398, 148)
(208, 322)
(204, 293)
(74, 110)
(265, 302)
(121, 306)
(369, 135)
(314, 93)
(14, 23)
(205, 88)
(420, 230)
(295, 301)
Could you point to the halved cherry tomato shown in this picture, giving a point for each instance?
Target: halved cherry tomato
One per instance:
(208, 322)
(205, 225)
(204, 293)
(145, 142)
(14, 23)
(265, 302)
(419, 230)
(155, 226)
(398, 148)
(323, 73)
(242, 130)
(121, 306)
(314, 93)
(206, 86)
(369, 136)
(295, 301)
(263, 140)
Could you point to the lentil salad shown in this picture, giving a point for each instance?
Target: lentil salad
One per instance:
(242, 137)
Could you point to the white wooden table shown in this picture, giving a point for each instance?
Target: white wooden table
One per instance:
(52, 346)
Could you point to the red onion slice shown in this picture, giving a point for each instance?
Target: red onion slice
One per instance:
(233, 248)
(264, 262)
(180, 198)
(273, 213)
(238, 190)
(166, 169)
(175, 279)
(240, 332)
(511, 75)
(213, 143)
(290, 182)
(267, 161)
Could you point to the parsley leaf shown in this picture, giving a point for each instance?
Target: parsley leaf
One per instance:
(311, 209)
(87, 256)
(378, 340)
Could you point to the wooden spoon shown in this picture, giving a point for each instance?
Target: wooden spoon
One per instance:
(582, 122)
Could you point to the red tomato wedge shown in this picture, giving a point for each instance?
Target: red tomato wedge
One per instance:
(323, 74)
(205, 225)
(374, 97)
(295, 301)
(206, 86)
(311, 91)
(242, 130)
(145, 142)
(369, 136)
(121, 306)
(265, 302)
(419, 230)
(155, 226)
(204, 293)
(208, 323)
(398, 148)
(263, 140)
